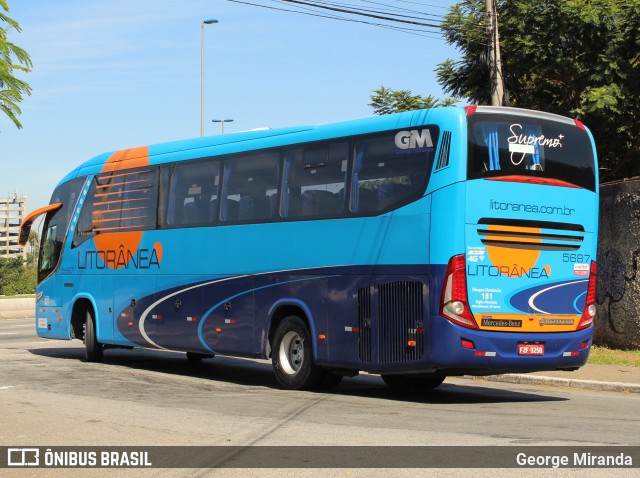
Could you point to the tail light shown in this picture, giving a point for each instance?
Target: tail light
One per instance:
(589, 312)
(454, 303)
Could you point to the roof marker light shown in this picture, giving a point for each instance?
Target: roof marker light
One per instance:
(580, 125)
(471, 109)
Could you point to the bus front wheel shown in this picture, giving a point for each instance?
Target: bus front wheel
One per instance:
(93, 351)
(413, 383)
(293, 356)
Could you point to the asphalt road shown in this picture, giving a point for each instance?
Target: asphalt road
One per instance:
(50, 397)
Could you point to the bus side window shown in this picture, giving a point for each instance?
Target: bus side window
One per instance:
(315, 181)
(193, 193)
(385, 177)
(249, 188)
(124, 200)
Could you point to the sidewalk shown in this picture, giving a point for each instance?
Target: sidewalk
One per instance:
(612, 378)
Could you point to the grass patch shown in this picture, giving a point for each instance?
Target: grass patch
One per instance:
(606, 356)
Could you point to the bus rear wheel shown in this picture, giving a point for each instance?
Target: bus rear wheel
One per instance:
(413, 383)
(293, 356)
(93, 348)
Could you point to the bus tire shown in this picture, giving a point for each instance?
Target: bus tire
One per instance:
(293, 356)
(93, 348)
(413, 383)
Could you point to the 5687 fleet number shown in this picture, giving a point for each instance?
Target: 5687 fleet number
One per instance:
(581, 258)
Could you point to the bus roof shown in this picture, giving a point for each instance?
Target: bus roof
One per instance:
(253, 140)
(272, 138)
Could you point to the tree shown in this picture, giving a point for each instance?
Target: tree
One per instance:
(15, 278)
(578, 58)
(385, 101)
(13, 59)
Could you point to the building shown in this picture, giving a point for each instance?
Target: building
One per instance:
(12, 210)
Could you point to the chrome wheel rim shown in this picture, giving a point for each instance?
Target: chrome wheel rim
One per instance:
(291, 352)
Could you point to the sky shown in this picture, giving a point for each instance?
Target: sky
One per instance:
(115, 74)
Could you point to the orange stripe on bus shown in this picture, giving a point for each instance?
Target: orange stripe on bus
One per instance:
(121, 175)
(127, 159)
(113, 185)
(119, 228)
(104, 203)
(100, 221)
(107, 211)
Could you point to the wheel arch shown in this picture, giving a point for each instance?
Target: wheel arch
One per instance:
(282, 309)
(81, 304)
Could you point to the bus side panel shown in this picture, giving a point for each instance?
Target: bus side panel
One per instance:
(306, 291)
(227, 324)
(49, 310)
(128, 293)
(379, 320)
(447, 218)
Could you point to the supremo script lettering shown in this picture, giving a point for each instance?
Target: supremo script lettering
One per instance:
(120, 259)
(519, 137)
(414, 139)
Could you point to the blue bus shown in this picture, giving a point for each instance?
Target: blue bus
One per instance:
(417, 246)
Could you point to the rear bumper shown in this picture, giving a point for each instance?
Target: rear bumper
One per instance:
(497, 352)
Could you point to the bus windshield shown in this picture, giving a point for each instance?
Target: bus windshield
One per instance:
(55, 226)
(507, 145)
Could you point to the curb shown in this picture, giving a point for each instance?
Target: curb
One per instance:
(522, 379)
(17, 314)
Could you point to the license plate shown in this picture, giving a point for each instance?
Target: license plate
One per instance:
(530, 349)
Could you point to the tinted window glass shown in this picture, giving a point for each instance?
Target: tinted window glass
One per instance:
(315, 180)
(249, 188)
(392, 169)
(55, 226)
(192, 193)
(120, 201)
(503, 145)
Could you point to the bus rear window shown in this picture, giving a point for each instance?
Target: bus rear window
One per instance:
(509, 145)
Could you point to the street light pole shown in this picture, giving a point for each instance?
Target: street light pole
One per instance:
(222, 122)
(202, 24)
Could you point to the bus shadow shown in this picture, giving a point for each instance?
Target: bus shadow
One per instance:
(259, 373)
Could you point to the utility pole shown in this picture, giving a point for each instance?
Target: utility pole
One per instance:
(495, 61)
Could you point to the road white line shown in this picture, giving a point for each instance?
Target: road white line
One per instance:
(4, 388)
(9, 333)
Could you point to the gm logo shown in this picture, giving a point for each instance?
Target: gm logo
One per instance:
(414, 139)
(23, 456)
